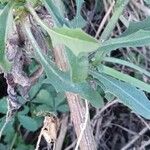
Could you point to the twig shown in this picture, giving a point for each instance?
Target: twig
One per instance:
(113, 20)
(84, 125)
(144, 145)
(71, 145)
(39, 138)
(77, 116)
(146, 124)
(143, 8)
(104, 19)
(144, 130)
(104, 108)
(123, 128)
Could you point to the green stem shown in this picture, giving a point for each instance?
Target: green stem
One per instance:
(119, 7)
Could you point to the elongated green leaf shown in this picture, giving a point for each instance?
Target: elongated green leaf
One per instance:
(126, 78)
(78, 21)
(128, 64)
(56, 14)
(60, 80)
(75, 39)
(5, 22)
(137, 39)
(127, 94)
(28, 123)
(136, 26)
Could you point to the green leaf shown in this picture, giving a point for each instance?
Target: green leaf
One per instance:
(3, 147)
(36, 88)
(3, 106)
(60, 103)
(128, 64)
(9, 126)
(75, 39)
(127, 94)
(92, 96)
(42, 109)
(4, 1)
(78, 66)
(147, 2)
(136, 26)
(5, 23)
(60, 80)
(126, 78)
(24, 111)
(63, 108)
(118, 10)
(136, 35)
(78, 21)
(137, 39)
(55, 12)
(44, 97)
(24, 147)
(28, 122)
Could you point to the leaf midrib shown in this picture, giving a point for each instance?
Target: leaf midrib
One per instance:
(121, 90)
(71, 38)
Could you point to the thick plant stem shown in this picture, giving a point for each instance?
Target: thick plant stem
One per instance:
(120, 5)
(77, 108)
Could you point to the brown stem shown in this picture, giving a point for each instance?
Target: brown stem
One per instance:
(76, 105)
(62, 133)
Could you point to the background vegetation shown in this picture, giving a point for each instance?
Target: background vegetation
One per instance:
(74, 73)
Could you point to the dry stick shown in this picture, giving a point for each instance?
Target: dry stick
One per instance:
(144, 145)
(84, 125)
(123, 128)
(62, 134)
(76, 105)
(71, 146)
(135, 138)
(39, 138)
(141, 7)
(148, 126)
(113, 20)
(104, 19)
(109, 104)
